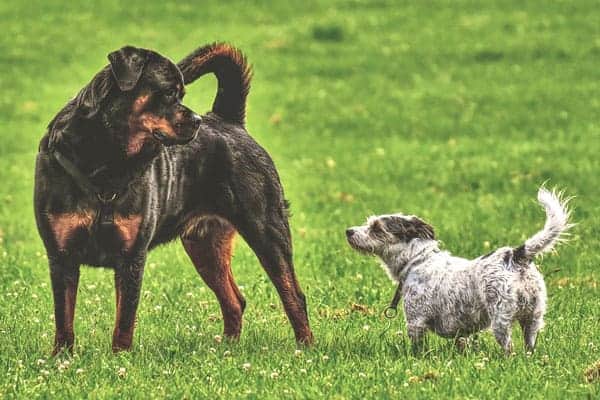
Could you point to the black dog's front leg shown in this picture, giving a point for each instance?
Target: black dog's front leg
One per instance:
(65, 279)
(128, 283)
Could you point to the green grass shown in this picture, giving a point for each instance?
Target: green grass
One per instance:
(455, 111)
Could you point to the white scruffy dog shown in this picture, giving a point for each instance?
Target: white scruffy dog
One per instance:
(456, 297)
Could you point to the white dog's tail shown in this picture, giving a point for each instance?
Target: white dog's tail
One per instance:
(557, 223)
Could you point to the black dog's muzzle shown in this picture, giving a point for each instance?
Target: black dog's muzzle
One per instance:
(168, 140)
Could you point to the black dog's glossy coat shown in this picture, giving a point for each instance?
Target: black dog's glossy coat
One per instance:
(118, 132)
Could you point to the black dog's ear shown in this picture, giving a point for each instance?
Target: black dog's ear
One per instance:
(86, 104)
(89, 99)
(127, 65)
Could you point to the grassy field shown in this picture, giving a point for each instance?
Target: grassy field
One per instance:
(455, 111)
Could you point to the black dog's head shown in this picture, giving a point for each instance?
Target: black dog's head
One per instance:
(134, 103)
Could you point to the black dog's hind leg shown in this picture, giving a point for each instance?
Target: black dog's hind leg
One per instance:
(65, 279)
(269, 237)
(209, 245)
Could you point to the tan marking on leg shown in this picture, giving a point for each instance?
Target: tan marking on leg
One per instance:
(211, 255)
(65, 225)
(128, 228)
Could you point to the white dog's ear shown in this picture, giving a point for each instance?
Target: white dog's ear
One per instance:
(407, 229)
(422, 229)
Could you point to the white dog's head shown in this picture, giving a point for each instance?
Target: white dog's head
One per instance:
(384, 232)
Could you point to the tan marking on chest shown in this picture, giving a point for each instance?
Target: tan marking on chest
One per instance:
(65, 225)
(128, 228)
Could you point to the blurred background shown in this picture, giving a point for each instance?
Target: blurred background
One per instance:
(452, 110)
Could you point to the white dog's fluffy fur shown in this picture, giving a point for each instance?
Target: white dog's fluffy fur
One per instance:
(456, 297)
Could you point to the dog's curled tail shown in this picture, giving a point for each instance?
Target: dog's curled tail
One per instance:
(233, 76)
(557, 224)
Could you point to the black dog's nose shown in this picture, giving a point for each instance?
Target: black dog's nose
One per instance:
(349, 232)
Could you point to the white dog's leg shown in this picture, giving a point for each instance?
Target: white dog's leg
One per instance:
(501, 326)
(530, 329)
(416, 332)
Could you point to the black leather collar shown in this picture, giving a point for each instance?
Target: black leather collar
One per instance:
(105, 200)
(392, 310)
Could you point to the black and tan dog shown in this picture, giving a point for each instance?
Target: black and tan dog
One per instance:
(110, 186)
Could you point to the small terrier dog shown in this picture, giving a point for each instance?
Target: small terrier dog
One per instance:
(455, 297)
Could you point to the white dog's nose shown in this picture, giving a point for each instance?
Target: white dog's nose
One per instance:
(349, 232)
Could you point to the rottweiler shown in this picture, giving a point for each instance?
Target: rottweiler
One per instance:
(125, 167)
